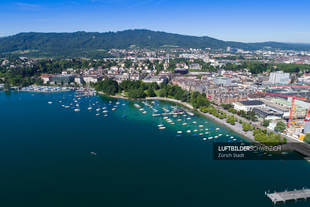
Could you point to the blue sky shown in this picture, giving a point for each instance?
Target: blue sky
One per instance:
(236, 20)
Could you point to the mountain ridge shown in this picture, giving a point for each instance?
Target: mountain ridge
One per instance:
(83, 43)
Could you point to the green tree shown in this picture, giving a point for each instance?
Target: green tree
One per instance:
(307, 138)
(280, 127)
(266, 123)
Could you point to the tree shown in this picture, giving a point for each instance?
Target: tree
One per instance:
(266, 123)
(307, 138)
(150, 92)
(280, 127)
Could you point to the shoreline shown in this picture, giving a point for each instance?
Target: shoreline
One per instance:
(235, 128)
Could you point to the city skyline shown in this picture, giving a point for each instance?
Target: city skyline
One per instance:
(226, 20)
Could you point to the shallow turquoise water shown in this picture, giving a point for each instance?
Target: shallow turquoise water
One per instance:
(46, 160)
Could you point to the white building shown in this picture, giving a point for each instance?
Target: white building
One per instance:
(279, 77)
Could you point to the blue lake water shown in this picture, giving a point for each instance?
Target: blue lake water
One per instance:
(46, 159)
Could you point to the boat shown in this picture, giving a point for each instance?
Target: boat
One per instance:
(217, 129)
(93, 153)
(90, 108)
(188, 131)
(155, 114)
(179, 120)
(210, 138)
(166, 117)
(179, 132)
(195, 130)
(97, 114)
(190, 113)
(144, 112)
(200, 126)
(137, 105)
(76, 110)
(188, 118)
(162, 127)
(184, 124)
(204, 138)
(200, 134)
(194, 122)
(105, 111)
(216, 137)
(113, 109)
(49, 102)
(141, 109)
(97, 109)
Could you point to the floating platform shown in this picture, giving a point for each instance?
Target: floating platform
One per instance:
(289, 195)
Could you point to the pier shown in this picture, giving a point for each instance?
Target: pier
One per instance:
(289, 195)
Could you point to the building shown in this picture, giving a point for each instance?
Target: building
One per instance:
(91, 79)
(155, 79)
(195, 66)
(62, 79)
(180, 71)
(223, 81)
(45, 78)
(279, 77)
(248, 105)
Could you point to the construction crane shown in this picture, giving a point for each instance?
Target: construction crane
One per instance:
(307, 123)
(292, 125)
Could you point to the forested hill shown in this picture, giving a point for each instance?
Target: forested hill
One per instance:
(92, 43)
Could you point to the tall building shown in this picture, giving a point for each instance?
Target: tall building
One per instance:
(279, 77)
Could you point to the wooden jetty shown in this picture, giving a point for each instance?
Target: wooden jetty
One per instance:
(289, 195)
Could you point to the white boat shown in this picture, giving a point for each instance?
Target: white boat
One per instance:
(188, 131)
(188, 118)
(144, 112)
(49, 102)
(113, 109)
(204, 138)
(155, 114)
(217, 129)
(162, 127)
(137, 105)
(166, 117)
(216, 137)
(141, 109)
(194, 122)
(105, 111)
(210, 138)
(76, 110)
(179, 120)
(90, 108)
(195, 130)
(179, 132)
(93, 153)
(200, 126)
(97, 114)
(184, 124)
(200, 134)
(97, 109)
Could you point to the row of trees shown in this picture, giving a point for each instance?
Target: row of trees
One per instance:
(138, 89)
(259, 67)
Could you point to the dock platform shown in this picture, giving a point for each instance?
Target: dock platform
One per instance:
(289, 195)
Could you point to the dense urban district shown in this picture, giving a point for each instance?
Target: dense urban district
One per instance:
(265, 92)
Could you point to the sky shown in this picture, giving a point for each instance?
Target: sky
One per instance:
(230, 20)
